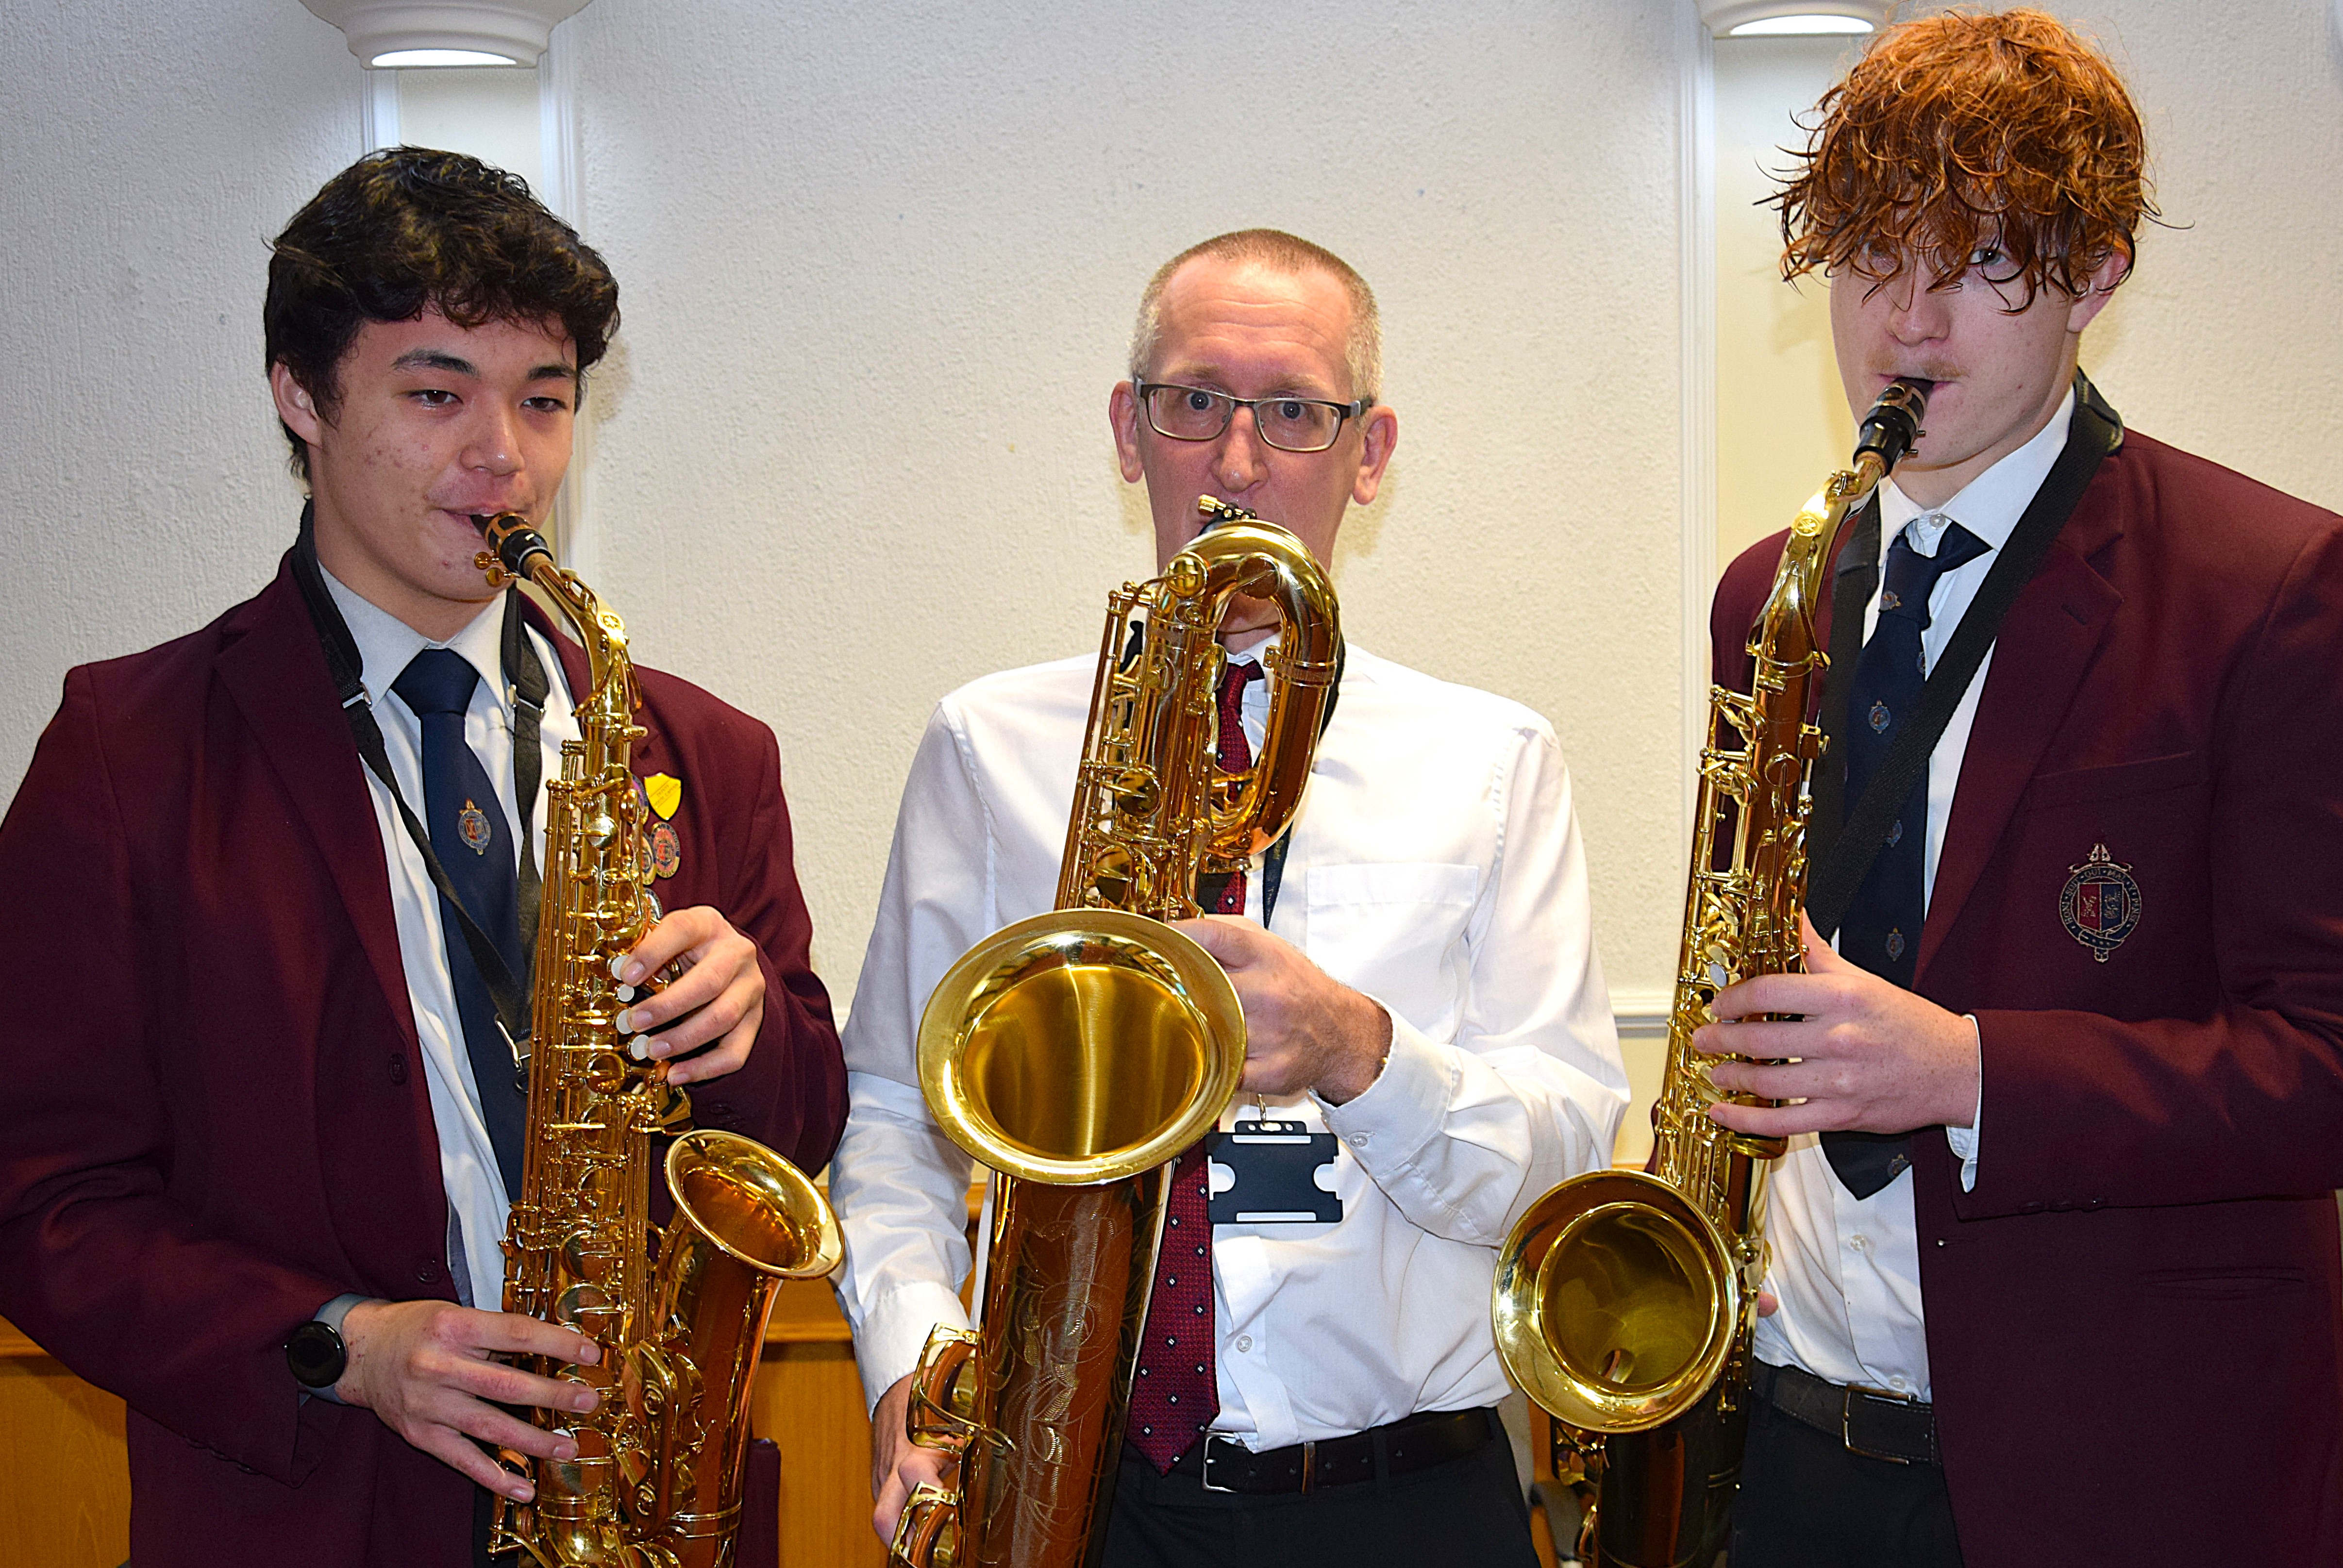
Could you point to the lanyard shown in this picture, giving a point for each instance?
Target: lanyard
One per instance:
(525, 680)
(1841, 849)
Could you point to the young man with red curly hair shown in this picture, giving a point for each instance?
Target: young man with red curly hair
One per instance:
(2061, 1266)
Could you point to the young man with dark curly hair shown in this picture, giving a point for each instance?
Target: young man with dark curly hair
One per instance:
(2059, 1279)
(254, 1178)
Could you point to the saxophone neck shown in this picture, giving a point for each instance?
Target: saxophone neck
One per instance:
(518, 551)
(1245, 556)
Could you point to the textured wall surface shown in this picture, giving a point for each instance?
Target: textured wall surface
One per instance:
(878, 266)
(147, 166)
(880, 269)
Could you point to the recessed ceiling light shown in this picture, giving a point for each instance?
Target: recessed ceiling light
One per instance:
(1777, 18)
(393, 59)
(390, 34)
(1789, 27)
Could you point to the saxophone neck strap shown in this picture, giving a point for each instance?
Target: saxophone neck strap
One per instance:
(526, 682)
(1843, 854)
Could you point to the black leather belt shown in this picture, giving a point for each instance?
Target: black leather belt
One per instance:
(1871, 1421)
(1418, 1442)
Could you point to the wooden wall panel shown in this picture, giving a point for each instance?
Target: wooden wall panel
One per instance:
(64, 1483)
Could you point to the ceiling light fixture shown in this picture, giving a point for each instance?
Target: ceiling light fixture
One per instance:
(389, 34)
(1775, 18)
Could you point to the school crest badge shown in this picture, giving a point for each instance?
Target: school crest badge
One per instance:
(2100, 903)
(472, 826)
(667, 849)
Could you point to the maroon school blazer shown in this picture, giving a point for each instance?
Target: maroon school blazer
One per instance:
(217, 1117)
(2136, 1320)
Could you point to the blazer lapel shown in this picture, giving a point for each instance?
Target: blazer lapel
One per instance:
(2045, 646)
(276, 675)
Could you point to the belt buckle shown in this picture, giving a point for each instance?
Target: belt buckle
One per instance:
(1211, 1438)
(1847, 1420)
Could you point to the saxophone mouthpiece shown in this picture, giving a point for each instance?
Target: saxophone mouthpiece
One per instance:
(1893, 426)
(515, 541)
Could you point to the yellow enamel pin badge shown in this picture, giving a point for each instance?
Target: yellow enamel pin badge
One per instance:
(664, 792)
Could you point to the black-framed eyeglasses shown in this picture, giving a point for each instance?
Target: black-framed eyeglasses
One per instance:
(1288, 423)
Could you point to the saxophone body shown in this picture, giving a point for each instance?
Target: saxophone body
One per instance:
(1626, 1303)
(1078, 1053)
(679, 1311)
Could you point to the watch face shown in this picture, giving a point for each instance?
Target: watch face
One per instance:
(315, 1353)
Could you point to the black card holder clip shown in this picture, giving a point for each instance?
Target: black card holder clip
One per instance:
(1276, 1164)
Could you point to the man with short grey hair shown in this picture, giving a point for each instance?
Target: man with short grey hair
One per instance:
(1418, 976)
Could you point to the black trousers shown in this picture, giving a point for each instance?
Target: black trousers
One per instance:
(1468, 1510)
(1807, 1502)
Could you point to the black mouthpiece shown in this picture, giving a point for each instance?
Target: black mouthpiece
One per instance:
(513, 540)
(1894, 423)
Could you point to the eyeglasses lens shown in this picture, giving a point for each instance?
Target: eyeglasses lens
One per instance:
(1291, 423)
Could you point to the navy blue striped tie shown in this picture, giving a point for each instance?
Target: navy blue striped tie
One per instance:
(473, 840)
(1880, 929)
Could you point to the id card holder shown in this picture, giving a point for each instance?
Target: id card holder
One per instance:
(1276, 1165)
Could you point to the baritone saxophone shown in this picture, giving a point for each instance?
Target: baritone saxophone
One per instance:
(679, 1311)
(1078, 1053)
(1626, 1303)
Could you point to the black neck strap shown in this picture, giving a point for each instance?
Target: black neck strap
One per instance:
(1844, 855)
(526, 685)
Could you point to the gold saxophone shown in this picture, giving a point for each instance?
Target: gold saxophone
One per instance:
(1076, 1052)
(1624, 1302)
(657, 1479)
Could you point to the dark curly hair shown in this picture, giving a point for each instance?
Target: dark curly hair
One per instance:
(409, 228)
(1964, 130)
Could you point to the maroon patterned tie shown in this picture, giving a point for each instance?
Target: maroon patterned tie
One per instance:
(1177, 1393)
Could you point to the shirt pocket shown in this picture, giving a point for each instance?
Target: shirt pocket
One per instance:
(1396, 932)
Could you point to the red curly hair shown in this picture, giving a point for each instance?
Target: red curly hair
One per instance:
(1969, 130)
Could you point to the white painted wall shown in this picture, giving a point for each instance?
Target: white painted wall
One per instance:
(880, 270)
(878, 263)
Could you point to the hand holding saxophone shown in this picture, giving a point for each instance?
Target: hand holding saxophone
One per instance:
(427, 1369)
(720, 996)
(898, 1465)
(1304, 1029)
(1870, 1056)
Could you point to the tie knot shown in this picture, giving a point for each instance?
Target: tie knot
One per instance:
(1911, 576)
(436, 680)
(1234, 680)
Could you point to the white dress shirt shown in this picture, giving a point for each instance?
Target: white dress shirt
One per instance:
(1847, 1270)
(1436, 866)
(477, 1198)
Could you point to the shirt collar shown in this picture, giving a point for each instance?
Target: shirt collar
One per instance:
(387, 645)
(1989, 505)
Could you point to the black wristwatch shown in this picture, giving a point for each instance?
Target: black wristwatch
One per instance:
(314, 1352)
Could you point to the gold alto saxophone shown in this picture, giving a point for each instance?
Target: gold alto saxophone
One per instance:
(1624, 1302)
(1075, 1053)
(657, 1477)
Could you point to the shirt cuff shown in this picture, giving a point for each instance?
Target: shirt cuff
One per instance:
(1404, 1108)
(889, 1340)
(1964, 1140)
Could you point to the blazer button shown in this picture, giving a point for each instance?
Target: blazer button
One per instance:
(427, 1271)
(399, 1069)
